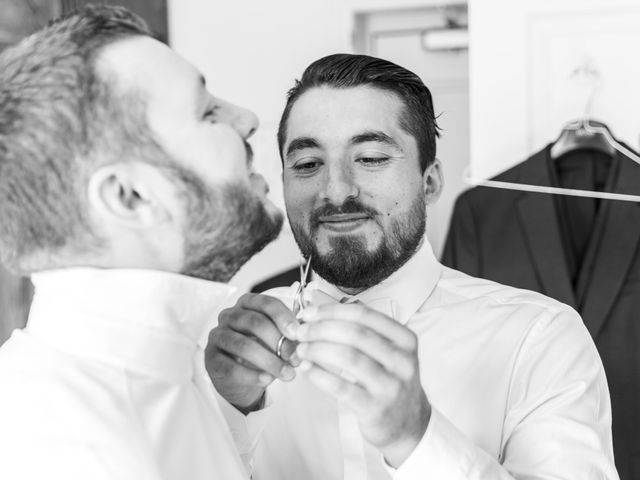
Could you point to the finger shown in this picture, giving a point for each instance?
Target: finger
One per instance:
(247, 350)
(364, 339)
(348, 363)
(363, 315)
(259, 326)
(222, 367)
(277, 311)
(344, 390)
(287, 352)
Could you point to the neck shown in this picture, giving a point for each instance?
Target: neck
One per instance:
(352, 291)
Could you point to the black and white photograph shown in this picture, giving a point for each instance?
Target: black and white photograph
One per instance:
(319, 240)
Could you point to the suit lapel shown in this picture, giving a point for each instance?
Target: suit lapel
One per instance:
(539, 222)
(612, 253)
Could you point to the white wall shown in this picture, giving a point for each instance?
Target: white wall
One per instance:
(250, 52)
(525, 82)
(522, 53)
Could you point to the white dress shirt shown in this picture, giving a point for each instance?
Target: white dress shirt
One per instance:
(515, 383)
(107, 381)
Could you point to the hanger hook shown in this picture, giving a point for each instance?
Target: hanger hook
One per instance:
(587, 74)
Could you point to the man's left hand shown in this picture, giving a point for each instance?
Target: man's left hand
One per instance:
(369, 362)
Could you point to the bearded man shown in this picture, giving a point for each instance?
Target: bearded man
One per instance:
(406, 369)
(127, 193)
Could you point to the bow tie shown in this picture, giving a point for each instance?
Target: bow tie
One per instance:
(383, 305)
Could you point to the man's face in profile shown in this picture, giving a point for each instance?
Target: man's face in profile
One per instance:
(226, 215)
(353, 186)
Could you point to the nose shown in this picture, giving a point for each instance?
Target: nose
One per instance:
(244, 121)
(338, 183)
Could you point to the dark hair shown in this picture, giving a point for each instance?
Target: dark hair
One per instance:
(343, 70)
(58, 118)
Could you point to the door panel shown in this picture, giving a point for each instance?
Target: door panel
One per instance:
(396, 36)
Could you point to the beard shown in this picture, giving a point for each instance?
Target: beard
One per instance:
(349, 264)
(225, 228)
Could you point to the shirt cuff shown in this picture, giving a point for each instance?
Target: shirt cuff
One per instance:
(444, 452)
(246, 429)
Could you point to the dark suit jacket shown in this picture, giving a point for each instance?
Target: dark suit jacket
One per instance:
(283, 279)
(514, 237)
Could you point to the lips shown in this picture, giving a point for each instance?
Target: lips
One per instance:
(343, 222)
(343, 218)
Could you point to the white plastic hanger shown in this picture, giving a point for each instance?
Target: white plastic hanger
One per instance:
(588, 127)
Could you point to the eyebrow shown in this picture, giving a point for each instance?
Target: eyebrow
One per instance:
(301, 143)
(203, 81)
(373, 136)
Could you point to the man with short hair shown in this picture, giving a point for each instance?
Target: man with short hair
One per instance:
(127, 192)
(409, 369)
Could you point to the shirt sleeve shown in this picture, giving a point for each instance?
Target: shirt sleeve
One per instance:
(558, 421)
(32, 460)
(246, 430)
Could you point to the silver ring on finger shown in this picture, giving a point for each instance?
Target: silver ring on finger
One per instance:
(279, 346)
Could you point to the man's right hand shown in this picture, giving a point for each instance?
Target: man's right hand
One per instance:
(241, 355)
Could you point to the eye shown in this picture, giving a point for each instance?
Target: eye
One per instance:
(372, 161)
(307, 166)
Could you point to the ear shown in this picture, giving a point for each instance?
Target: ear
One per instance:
(433, 182)
(133, 195)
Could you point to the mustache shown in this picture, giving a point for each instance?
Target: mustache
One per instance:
(350, 205)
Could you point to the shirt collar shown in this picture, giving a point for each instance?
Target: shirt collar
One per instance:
(147, 321)
(407, 288)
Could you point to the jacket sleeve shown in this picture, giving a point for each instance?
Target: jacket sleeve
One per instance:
(461, 248)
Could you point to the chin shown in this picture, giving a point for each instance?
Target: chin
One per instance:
(333, 243)
(223, 234)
